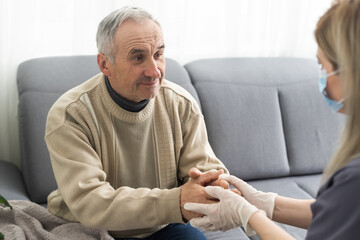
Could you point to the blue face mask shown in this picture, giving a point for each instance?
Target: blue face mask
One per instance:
(335, 105)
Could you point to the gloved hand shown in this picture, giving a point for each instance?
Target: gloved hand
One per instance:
(263, 201)
(232, 211)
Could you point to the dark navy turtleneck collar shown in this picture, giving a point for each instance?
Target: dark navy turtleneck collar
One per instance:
(124, 103)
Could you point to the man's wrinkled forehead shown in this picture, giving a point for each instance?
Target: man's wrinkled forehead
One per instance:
(136, 33)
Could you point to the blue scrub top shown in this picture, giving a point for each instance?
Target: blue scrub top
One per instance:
(336, 211)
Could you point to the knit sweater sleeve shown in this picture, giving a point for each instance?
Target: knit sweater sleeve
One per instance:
(83, 186)
(196, 150)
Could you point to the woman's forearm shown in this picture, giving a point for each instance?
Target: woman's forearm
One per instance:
(266, 229)
(289, 211)
(295, 212)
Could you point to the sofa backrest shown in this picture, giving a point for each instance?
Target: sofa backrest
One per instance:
(265, 117)
(42, 81)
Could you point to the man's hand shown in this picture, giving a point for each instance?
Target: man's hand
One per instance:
(195, 173)
(193, 190)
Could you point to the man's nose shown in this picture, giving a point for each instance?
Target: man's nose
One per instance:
(152, 70)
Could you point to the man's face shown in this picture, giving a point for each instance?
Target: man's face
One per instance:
(139, 66)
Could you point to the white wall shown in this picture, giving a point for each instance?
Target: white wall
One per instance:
(193, 29)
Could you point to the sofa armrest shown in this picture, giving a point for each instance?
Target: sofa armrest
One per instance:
(11, 183)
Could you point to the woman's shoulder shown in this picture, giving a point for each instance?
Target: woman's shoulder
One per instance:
(337, 200)
(345, 180)
(354, 163)
(349, 172)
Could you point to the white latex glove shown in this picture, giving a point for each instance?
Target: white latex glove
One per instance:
(232, 211)
(262, 200)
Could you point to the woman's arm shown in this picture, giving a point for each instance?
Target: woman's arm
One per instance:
(231, 211)
(286, 210)
(266, 229)
(295, 212)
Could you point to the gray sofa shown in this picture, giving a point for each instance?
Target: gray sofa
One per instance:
(265, 118)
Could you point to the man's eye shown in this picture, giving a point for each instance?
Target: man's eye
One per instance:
(138, 58)
(158, 54)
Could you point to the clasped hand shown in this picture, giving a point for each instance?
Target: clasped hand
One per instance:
(231, 210)
(194, 191)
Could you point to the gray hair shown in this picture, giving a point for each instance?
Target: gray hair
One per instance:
(109, 25)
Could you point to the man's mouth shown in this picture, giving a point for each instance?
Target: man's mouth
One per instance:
(150, 83)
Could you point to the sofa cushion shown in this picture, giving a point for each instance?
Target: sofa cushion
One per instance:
(233, 234)
(265, 117)
(309, 183)
(287, 187)
(311, 128)
(245, 130)
(12, 185)
(40, 82)
(35, 162)
(176, 73)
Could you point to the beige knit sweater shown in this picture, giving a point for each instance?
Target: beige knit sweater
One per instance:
(119, 170)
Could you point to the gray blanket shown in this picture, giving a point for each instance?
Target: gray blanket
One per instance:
(30, 221)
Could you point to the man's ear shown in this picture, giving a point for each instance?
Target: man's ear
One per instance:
(104, 64)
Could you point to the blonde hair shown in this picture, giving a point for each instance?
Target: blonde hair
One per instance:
(338, 35)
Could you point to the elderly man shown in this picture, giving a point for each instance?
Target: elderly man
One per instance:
(123, 142)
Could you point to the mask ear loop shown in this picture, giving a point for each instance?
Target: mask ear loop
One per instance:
(333, 73)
